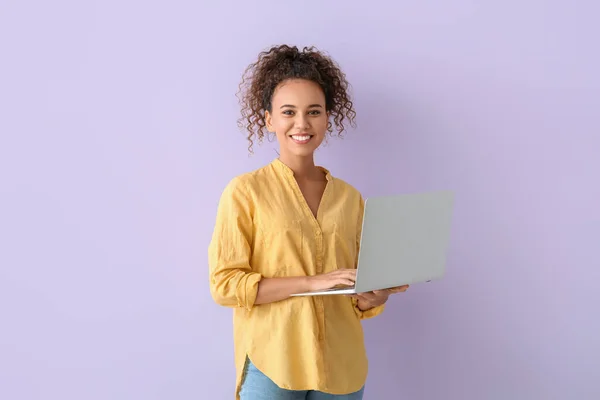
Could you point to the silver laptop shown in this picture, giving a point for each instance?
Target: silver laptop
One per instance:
(404, 241)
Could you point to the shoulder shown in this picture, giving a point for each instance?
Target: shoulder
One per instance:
(246, 184)
(344, 188)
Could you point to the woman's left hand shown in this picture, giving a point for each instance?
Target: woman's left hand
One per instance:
(376, 298)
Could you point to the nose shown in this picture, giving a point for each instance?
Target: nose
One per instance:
(301, 121)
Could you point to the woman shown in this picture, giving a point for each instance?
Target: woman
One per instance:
(291, 227)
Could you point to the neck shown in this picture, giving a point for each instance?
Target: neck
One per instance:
(303, 167)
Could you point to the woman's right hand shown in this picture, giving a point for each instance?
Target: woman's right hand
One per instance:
(339, 277)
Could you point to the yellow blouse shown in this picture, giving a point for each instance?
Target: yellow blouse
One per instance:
(264, 228)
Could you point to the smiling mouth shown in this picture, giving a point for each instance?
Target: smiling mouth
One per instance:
(301, 139)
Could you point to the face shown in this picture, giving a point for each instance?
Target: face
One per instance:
(298, 117)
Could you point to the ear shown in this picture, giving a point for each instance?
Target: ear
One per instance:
(268, 122)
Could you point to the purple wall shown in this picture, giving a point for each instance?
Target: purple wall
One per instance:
(117, 118)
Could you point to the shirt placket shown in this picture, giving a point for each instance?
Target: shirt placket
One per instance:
(320, 251)
(319, 260)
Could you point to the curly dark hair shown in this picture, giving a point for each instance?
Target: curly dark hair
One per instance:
(285, 62)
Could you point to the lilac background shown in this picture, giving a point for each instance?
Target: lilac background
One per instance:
(117, 121)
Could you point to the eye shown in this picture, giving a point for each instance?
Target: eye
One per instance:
(315, 112)
(288, 112)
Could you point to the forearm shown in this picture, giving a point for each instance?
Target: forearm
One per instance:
(271, 290)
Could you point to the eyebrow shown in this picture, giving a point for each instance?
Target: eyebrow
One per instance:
(293, 106)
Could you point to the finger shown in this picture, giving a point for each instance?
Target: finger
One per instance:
(394, 291)
(348, 273)
(382, 293)
(345, 271)
(340, 282)
(368, 296)
(397, 289)
(346, 277)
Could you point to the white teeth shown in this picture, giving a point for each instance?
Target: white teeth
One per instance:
(300, 138)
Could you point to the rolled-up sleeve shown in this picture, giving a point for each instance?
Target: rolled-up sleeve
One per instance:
(233, 283)
(375, 311)
(370, 313)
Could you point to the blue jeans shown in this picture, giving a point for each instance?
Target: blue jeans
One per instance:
(258, 386)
